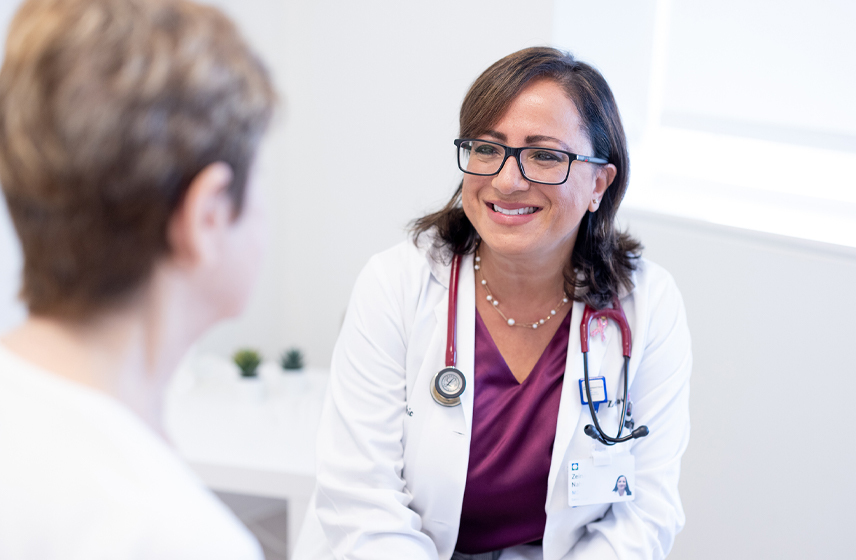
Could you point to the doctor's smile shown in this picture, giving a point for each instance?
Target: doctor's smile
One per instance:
(511, 214)
(508, 209)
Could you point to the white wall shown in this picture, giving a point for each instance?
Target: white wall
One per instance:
(767, 472)
(783, 70)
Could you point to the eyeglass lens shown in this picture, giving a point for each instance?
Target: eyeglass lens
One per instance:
(539, 164)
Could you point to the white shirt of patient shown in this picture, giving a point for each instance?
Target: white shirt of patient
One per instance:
(81, 477)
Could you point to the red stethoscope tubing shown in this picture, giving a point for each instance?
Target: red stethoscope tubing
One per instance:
(616, 314)
(452, 327)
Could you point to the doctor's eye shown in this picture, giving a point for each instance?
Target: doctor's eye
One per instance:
(545, 158)
(485, 150)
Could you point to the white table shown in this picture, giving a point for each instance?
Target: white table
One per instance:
(249, 436)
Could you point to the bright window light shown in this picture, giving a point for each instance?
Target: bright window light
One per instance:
(738, 112)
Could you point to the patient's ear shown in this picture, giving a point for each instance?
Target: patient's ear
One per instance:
(196, 230)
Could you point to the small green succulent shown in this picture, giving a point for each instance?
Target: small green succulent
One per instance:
(248, 361)
(292, 359)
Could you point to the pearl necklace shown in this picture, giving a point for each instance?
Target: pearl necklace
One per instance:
(511, 322)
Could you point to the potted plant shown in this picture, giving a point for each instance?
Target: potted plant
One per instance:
(292, 360)
(248, 362)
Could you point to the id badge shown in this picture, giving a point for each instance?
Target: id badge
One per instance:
(601, 479)
(598, 392)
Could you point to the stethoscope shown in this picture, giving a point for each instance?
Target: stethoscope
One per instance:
(616, 313)
(449, 383)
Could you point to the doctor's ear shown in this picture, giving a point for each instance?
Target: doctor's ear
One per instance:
(197, 228)
(604, 177)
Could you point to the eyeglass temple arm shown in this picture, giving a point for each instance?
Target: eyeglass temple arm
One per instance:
(591, 159)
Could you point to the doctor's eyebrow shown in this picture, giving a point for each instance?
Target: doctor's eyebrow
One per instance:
(542, 138)
(498, 135)
(529, 140)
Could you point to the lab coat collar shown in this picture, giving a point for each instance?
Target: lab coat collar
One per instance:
(439, 258)
(622, 291)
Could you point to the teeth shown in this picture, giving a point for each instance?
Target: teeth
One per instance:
(517, 212)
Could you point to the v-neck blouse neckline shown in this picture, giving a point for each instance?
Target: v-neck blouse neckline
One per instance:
(498, 360)
(513, 430)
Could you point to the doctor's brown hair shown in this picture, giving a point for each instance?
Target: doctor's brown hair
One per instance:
(603, 258)
(108, 110)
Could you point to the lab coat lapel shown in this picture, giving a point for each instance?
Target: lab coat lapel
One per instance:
(570, 407)
(438, 470)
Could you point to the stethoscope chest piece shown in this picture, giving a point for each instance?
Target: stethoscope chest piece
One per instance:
(447, 386)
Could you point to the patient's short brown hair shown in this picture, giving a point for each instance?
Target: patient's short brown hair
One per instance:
(108, 109)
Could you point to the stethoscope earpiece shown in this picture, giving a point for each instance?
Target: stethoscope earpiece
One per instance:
(447, 386)
(639, 432)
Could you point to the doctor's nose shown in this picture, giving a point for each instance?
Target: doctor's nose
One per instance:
(509, 179)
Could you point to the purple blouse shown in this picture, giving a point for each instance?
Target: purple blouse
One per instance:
(514, 425)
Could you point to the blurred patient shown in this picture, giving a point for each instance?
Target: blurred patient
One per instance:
(127, 132)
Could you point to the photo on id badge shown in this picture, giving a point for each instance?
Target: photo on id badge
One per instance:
(601, 482)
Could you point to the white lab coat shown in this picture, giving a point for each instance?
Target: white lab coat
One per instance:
(392, 463)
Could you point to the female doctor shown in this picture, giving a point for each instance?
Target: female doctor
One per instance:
(507, 459)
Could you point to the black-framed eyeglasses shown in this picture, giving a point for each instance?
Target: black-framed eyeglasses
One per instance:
(538, 165)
